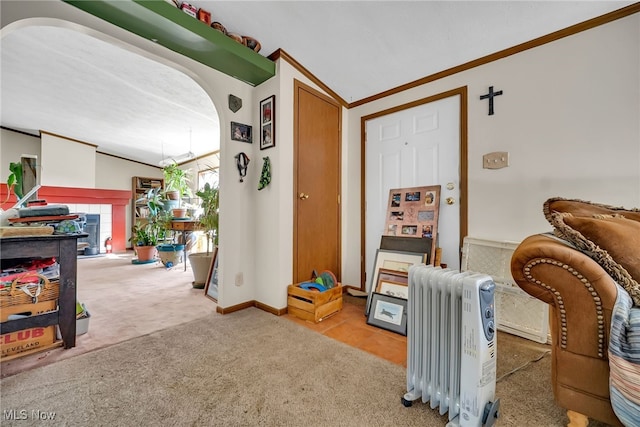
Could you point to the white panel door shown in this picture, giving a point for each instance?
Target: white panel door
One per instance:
(412, 148)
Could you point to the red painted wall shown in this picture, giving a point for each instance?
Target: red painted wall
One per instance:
(118, 199)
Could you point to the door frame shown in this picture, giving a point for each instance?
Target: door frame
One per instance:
(297, 84)
(460, 91)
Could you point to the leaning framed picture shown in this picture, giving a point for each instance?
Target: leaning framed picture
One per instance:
(394, 283)
(389, 313)
(268, 122)
(399, 261)
(241, 132)
(413, 213)
(211, 287)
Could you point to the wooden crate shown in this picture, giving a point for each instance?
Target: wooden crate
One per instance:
(312, 305)
(27, 341)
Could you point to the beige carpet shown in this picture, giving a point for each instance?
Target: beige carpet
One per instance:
(247, 368)
(125, 301)
(241, 369)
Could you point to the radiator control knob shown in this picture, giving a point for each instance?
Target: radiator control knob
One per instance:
(491, 329)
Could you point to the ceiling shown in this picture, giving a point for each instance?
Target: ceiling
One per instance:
(71, 84)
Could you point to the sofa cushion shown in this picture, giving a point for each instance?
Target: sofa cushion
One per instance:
(613, 241)
(583, 208)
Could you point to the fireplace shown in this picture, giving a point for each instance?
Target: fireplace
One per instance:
(90, 224)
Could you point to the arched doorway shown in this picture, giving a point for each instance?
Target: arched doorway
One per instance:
(75, 94)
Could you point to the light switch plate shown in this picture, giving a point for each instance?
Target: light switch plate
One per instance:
(495, 160)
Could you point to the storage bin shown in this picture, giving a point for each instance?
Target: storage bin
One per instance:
(82, 326)
(312, 305)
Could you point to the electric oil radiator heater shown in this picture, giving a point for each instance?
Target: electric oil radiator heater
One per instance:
(451, 344)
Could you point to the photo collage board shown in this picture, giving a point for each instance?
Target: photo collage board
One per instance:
(413, 212)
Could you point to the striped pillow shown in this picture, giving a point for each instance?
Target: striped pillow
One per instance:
(624, 360)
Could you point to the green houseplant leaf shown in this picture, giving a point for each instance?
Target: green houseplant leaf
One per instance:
(14, 181)
(210, 212)
(151, 230)
(177, 179)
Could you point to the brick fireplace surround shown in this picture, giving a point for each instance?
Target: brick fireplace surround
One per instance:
(118, 199)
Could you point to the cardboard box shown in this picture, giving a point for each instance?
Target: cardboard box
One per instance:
(25, 310)
(26, 340)
(312, 305)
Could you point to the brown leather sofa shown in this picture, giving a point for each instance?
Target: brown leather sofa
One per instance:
(581, 296)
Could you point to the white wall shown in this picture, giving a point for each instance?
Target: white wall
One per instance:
(12, 146)
(569, 117)
(109, 173)
(274, 205)
(67, 163)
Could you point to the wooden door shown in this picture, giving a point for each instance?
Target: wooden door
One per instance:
(316, 204)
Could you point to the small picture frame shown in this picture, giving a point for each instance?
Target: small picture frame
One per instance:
(241, 132)
(388, 313)
(268, 122)
(394, 283)
(394, 289)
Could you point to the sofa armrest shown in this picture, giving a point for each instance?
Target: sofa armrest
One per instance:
(580, 292)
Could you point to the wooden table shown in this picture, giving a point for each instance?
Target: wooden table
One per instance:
(184, 227)
(64, 248)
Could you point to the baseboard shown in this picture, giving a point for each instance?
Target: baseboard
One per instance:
(233, 308)
(269, 309)
(256, 304)
(264, 307)
(347, 287)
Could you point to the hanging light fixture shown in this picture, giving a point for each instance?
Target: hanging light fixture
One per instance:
(177, 159)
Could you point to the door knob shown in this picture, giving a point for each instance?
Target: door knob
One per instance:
(303, 196)
(450, 200)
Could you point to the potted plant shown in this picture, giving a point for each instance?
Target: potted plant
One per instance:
(201, 262)
(14, 181)
(147, 232)
(176, 183)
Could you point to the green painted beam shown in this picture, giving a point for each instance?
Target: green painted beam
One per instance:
(162, 23)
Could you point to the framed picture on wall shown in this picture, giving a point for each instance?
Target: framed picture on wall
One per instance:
(268, 122)
(241, 132)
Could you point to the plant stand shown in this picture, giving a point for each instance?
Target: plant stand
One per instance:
(170, 254)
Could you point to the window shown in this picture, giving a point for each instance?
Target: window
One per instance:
(208, 176)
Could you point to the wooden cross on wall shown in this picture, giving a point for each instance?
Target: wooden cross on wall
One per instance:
(491, 95)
